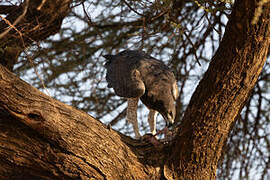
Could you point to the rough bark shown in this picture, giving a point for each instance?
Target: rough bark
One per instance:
(221, 94)
(41, 138)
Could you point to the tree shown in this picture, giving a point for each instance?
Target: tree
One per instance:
(44, 138)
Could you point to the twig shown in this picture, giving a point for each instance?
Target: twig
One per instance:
(35, 69)
(193, 47)
(118, 117)
(90, 21)
(128, 5)
(41, 4)
(85, 12)
(12, 26)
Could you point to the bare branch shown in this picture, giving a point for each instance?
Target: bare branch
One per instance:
(12, 26)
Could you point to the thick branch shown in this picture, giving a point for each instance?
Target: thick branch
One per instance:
(42, 137)
(221, 94)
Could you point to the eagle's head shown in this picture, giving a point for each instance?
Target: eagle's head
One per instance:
(167, 108)
(167, 96)
(162, 99)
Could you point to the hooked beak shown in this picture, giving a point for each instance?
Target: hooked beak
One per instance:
(169, 122)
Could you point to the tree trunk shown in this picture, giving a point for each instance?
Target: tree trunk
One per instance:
(221, 94)
(41, 138)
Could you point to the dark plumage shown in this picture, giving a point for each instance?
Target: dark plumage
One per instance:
(134, 75)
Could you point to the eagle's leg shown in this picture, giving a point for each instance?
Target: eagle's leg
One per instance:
(152, 123)
(132, 115)
(152, 120)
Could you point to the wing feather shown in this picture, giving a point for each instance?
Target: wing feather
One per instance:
(124, 78)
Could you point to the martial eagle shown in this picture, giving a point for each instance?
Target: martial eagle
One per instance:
(136, 75)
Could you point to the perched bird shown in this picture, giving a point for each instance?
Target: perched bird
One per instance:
(136, 75)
